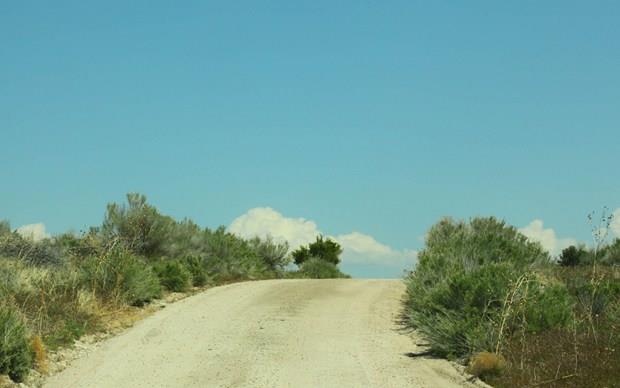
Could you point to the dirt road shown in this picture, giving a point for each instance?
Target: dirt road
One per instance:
(276, 333)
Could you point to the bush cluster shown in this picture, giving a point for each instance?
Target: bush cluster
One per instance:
(319, 260)
(12, 244)
(325, 249)
(197, 270)
(484, 294)
(51, 298)
(457, 294)
(173, 275)
(141, 229)
(61, 287)
(581, 255)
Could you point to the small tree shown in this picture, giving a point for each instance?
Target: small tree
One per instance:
(573, 256)
(301, 255)
(323, 248)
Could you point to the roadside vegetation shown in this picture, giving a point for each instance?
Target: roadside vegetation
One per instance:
(318, 260)
(484, 295)
(55, 290)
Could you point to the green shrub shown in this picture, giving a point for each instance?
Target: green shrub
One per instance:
(173, 275)
(232, 268)
(197, 270)
(456, 294)
(316, 268)
(49, 298)
(120, 276)
(272, 253)
(481, 241)
(9, 277)
(573, 256)
(227, 257)
(548, 307)
(185, 238)
(323, 248)
(139, 283)
(51, 301)
(454, 334)
(79, 247)
(592, 291)
(16, 357)
(455, 314)
(5, 228)
(475, 291)
(137, 226)
(65, 333)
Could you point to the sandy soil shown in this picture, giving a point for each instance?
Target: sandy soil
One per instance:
(275, 333)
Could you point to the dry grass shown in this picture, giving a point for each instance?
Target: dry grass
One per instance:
(485, 364)
(585, 354)
(550, 357)
(114, 319)
(6, 382)
(40, 354)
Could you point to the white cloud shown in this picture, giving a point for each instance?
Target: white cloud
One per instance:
(35, 232)
(264, 221)
(535, 231)
(362, 248)
(615, 224)
(357, 247)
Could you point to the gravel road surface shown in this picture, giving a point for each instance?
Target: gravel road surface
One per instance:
(274, 333)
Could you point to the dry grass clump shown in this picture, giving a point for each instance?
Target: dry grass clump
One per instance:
(486, 364)
(586, 353)
(561, 358)
(40, 354)
(87, 304)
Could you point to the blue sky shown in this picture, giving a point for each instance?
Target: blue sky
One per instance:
(362, 116)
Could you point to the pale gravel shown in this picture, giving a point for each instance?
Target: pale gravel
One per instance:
(274, 333)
